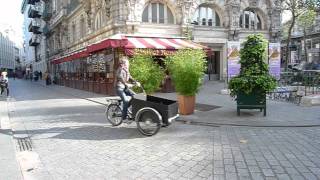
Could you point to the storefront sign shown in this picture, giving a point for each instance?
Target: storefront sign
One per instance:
(274, 59)
(233, 58)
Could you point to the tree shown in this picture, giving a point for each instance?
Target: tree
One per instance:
(295, 9)
(306, 20)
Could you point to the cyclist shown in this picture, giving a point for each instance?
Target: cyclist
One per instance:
(122, 85)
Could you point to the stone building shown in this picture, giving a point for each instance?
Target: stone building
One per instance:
(7, 53)
(78, 24)
(34, 40)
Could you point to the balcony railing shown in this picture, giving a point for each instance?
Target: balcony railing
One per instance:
(34, 40)
(32, 1)
(34, 27)
(58, 17)
(46, 30)
(34, 12)
(72, 5)
(47, 13)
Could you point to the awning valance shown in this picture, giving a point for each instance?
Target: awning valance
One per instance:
(158, 46)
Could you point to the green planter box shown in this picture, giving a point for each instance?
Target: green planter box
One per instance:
(251, 101)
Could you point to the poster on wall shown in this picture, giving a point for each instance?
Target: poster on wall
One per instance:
(274, 60)
(233, 58)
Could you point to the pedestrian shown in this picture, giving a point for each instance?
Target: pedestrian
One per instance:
(31, 76)
(4, 83)
(40, 75)
(14, 75)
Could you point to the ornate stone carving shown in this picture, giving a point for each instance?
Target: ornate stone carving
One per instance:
(253, 3)
(88, 11)
(108, 8)
(131, 7)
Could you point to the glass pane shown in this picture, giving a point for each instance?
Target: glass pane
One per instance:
(203, 13)
(145, 14)
(170, 16)
(196, 18)
(241, 23)
(259, 26)
(161, 13)
(154, 12)
(210, 13)
(247, 20)
(217, 20)
(252, 20)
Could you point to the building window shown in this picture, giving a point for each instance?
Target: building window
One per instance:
(157, 13)
(206, 16)
(82, 27)
(250, 20)
(74, 32)
(97, 22)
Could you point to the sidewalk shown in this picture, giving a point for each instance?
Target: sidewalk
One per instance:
(8, 162)
(216, 109)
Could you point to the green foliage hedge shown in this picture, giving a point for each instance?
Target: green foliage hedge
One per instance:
(254, 74)
(145, 70)
(187, 68)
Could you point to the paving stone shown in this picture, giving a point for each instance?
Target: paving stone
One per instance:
(268, 172)
(283, 177)
(257, 176)
(254, 169)
(230, 168)
(231, 176)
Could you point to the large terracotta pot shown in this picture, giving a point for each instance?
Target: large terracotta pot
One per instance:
(186, 104)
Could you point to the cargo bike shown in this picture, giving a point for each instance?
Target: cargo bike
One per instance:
(149, 112)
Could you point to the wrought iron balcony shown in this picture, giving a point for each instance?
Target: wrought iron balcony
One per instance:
(58, 17)
(34, 27)
(46, 30)
(34, 12)
(34, 40)
(32, 1)
(47, 13)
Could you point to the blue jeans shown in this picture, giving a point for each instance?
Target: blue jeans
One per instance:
(124, 93)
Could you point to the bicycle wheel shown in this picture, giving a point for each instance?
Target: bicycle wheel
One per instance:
(113, 114)
(148, 121)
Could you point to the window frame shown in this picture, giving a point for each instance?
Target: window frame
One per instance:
(156, 19)
(246, 21)
(213, 21)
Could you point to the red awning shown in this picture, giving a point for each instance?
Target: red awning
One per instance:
(158, 46)
(115, 41)
(70, 57)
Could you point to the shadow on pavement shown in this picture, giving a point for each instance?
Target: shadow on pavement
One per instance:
(96, 133)
(23, 90)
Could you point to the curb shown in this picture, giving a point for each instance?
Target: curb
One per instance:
(12, 170)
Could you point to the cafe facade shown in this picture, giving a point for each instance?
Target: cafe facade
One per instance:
(87, 38)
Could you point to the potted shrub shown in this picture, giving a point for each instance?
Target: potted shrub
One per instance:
(186, 68)
(147, 72)
(254, 81)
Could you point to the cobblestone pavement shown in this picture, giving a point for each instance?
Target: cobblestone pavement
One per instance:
(74, 141)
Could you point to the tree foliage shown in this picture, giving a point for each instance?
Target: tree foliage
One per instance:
(254, 74)
(296, 9)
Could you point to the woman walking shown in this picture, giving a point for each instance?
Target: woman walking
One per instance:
(4, 83)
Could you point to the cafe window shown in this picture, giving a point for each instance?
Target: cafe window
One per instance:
(158, 13)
